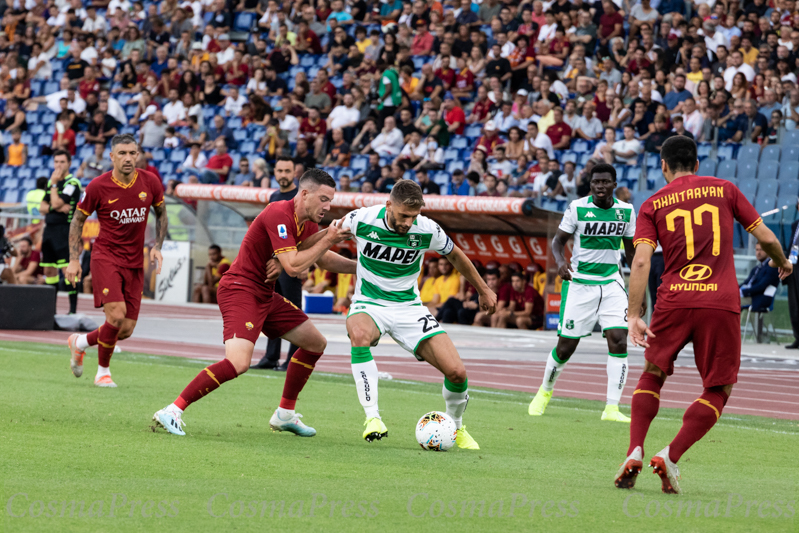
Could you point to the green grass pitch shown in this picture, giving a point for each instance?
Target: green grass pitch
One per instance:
(78, 458)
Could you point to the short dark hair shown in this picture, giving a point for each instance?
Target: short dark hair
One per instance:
(602, 168)
(517, 274)
(284, 158)
(314, 177)
(123, 138)
(64, 153)
(679, 153)
(41, 183)
(28, 240)
(492, 272)
(407, 193)
(215, 247)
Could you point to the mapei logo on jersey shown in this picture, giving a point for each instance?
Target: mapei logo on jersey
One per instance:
(129, 216)
(282, 232)
(604, 228)
(142, 196)
(374, 236)
(414, 241)
(390, 254)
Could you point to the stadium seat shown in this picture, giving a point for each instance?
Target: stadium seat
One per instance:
(580, 146)
(158, 154)
(452, 166)
(6, 172)
(451, 154)
(86, 151)
(790, 152)
(568, 155)
(726, 168)
(790, 138)
(770, 187)
(11, 196)
(35, 162)
(234, 123)
(747, 169)
(242, 26)
(789, 171)
(639, 197)
(458, 142)
(11, 183)
(768, 169)
(770, 153)
(473, 132)
(166, 167)
(633, 175)
(790, 188)
(749, 152)
(359, 163)
(749, 188)
(726, 151)
(707, 167)
(703, 150)
(765, 203)
(442, 178)
(247, 147)
(178, 156)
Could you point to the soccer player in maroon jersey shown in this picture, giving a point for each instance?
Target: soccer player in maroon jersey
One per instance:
(698, 300)
(249, 304)
(122, 199)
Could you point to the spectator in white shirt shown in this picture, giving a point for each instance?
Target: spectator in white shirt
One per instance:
(587, 126)
(693, 119)
(94, 23)
(113, 5)
(502, 166)
(345, 115)
(737, 65)
(713, 38)
(413, 152)
(505, 45)
(604, 148)
(39, 66)
(626, 151)
(196, 159)
(287, 123)
(174, 111)
(234, 102)
(226, 52)
(538, 140)
(389, 142)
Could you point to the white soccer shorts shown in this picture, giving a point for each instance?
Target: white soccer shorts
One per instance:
(407, 325)
(582, 305)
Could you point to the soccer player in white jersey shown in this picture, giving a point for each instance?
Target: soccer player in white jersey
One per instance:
(392, 241)
(593, 288)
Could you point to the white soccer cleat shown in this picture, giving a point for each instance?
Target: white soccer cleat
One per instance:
(668, 471)
(292, 425)
(76, 359)
(629, 470)
(105, 381)
(170, 420)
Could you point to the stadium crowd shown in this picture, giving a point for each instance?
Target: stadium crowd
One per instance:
(492, 98)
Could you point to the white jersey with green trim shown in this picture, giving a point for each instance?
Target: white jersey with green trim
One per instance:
(389, 264)
(598, 235)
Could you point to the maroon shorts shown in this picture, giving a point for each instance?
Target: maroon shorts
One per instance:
(246, 314)
(716, 335)
(112, 283)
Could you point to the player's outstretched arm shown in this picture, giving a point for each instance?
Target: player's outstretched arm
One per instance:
(771, 245)
(487, 298)
(295, 263)
(333, 262)
(639, 279)
(73, 271)
(558, 247)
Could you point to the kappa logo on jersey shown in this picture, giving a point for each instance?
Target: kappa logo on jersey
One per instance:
(414, 241)
(142, 196)
(590, 215)
(129, 216)
(388, 253)
(696, 272)
(374, 236)
(282, 232)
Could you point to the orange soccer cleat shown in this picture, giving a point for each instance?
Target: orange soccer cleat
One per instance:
(629, 470)
(76, 359)
(104, 381)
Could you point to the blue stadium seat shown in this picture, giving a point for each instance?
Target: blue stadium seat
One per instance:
(307, 61)
(733, 181)
(765, 203)
(749, 152)
(51, 86)
(639, 197)
(86, 151)
(789, 171)
(11, 183)
(25, 173)
(452, 166)
(473, 132)
(707, 167)
(359, 163)
(568, 155)
(726, 151)
(28, 184)
(178, 155)
(244, 21)
(6, 172)
(790, 152)
(633, 175)
(621, 172)
(769, 187)
(791, 138)
(768, 169)
(727, 168)
(166, 167)
(240, 135)
(158, 154)
(703, 150)
(450, 154)
(770, 153)
(35, 162)
(749, 188)
(234, 123)
(581, 146)
(790, 188)
(12, 196)
(747, 169)
(442, 178)
(458, 142)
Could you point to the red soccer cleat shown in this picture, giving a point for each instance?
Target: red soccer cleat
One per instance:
(627, 474)
(668, 472)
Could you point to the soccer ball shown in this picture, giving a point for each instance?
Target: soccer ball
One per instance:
(436, 431)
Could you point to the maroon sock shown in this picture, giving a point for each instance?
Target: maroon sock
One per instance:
(209, 379)
(645, 405)
(93, 337)
(697, 421)
(300, 369)
(106, 340)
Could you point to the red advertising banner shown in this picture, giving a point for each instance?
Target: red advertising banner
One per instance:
(503, 248)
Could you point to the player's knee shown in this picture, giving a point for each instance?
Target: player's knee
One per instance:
(240, 365)
(457, 375)
(115, 318)
(316, 344)
(124, 333)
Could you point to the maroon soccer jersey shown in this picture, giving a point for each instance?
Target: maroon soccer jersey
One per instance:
(692, 218)
(273, 232)
(122, 210)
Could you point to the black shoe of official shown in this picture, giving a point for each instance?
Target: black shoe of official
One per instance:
(265, 364)
(284, 367)
(793, 346)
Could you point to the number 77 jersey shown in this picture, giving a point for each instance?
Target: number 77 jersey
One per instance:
(693, 219)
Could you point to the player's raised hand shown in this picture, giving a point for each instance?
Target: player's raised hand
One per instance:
(336, 233)
(155, 255)
(784, 271)
(565, 271)
(73, 272)
(273, 270)
(488, 302)
(639, 332)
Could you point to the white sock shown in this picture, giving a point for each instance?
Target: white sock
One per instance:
(617, 377)
(173, 407)
(102, 371)
(456, 401)
(285, 414)
(82, 343)
(552, 371)
(365, 373)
